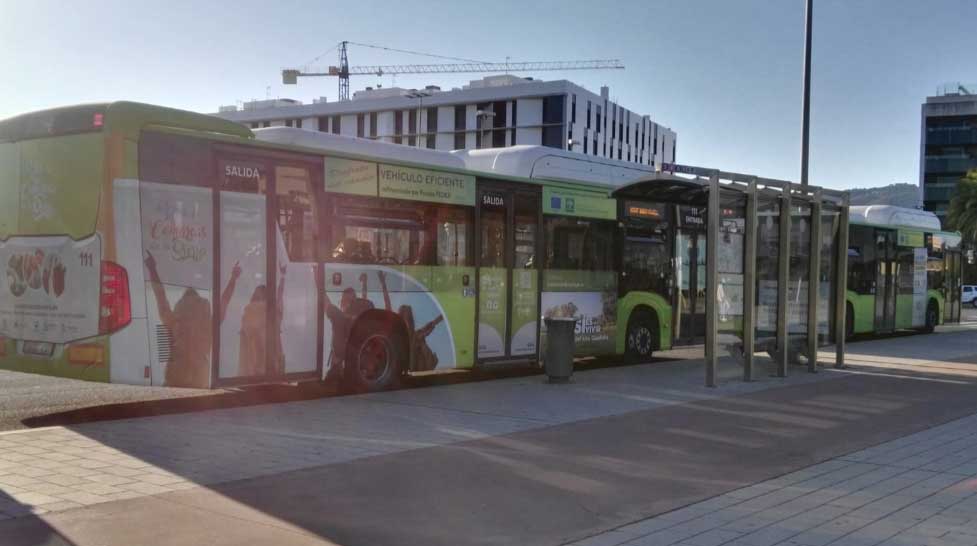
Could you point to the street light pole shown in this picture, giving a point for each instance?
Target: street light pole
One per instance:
(806, 116)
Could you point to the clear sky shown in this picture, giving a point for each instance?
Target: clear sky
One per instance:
(726, 75)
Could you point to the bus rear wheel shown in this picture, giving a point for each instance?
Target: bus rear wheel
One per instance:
(376, 352)
(640, 340)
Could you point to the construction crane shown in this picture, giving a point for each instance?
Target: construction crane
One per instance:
(344, 71)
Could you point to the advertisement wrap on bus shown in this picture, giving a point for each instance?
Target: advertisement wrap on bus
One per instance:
(152, 246)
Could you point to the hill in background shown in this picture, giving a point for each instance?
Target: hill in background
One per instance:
(900, 195)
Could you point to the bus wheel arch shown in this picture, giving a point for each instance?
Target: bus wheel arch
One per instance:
(642, 336)
(378, 352)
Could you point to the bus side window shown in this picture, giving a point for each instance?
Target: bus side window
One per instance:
(297, 218)
(370, 230)
(861, 261)
(579, 244)
(454, 227)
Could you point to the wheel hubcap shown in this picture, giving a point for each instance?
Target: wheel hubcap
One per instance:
(640, 340)
(374, 359)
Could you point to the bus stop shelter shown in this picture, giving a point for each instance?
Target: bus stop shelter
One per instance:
(776, 255)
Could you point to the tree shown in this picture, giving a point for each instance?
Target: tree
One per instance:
(962, 214)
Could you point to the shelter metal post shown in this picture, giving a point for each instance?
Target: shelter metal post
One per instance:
(712, 285)
(782, 280)
(841, 284)
(814, 284)
(749, 281)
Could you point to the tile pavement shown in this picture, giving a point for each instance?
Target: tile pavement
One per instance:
(919, 490)
(61, 468)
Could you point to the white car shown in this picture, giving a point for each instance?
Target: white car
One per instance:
(969, 295)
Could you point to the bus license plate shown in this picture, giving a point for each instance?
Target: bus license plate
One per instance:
(38, 348)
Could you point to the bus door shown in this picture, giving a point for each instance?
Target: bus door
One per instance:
(885, 277)
(268, 310)
(690, 276)
(507, 264)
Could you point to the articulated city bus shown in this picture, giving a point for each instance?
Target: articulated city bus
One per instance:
(663, 248)
(903, 271)
(152, 246)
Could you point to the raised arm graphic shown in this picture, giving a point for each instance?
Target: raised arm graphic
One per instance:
(281, 291)
(363, 286)
(429, 327)
(163, 304)
(229, 289)
(386, 294)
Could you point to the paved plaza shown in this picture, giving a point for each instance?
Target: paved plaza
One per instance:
(59, 468)
(881, 451)
(919, 490)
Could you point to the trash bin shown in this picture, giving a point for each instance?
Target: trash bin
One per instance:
(558, 360)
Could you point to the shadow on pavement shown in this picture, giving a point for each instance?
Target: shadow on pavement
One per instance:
(502, 463)
(18, 524)
(276, 394)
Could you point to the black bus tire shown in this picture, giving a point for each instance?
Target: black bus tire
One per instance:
(375, 356)
(849, 321)
(932, 317)
(640, 339)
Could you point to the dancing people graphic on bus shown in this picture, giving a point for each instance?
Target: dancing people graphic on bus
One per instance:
(341, 318)
(254, 343)
(423, 359)
(351, 305)
(190, 328)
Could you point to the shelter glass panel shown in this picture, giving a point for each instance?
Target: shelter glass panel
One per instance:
(798, 279)
(732, 228)
(768, 254)
(827, 276)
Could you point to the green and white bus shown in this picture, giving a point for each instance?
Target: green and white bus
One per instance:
(146, 245)
(903, 271)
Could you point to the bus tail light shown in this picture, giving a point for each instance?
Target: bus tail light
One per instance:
(114, 311)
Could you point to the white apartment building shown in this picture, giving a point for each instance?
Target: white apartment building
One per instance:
(493, 112)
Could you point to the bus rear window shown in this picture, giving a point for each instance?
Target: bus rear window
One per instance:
(175, 159)
(60, 121)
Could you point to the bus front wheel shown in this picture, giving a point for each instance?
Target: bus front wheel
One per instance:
(375, 355)
(640, 340)
(849, 321)
(932, 317)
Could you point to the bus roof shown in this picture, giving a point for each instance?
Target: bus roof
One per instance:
(290, 136)
(543, 162)
(121, 115)
(893, 216)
